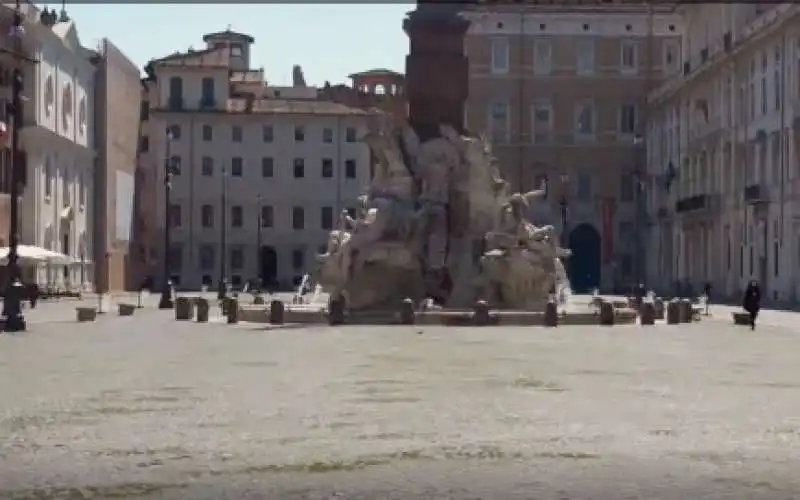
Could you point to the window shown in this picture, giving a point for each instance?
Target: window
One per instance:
(208, 133)
(627, 119)
(174, 166)
(237, 216)
(82, 191)
(207, 166)
(499, 122)
(176, 258)
(351, 212)
(207, 99)
(629, 57)
(298, 218)
(777, 79)
(776, 158)
(206, 257)
(585, 57)
(174, 131)
(584, 119)
(764, 65)
(267, 216)
(175, 91)
(237, 257)
(626, 188)
(207, 216)
(144, 144)
(299, 168)
(626, 231)
(65, 187)
(326, 218)
(350, 169)
(584, 187)
(542, 57)
(237, 50)
(267, 166)
(298, 259)
(542, 122)
(48, 177)
(499, 56)
(236, 166)
(174, 217)
(327, 135)
(350, 135)
(267, 133)
(327, 168)
(236, 133)
(299, 133)
(670, 56)
(144, 108)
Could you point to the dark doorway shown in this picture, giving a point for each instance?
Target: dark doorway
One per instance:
(268, 265)
(65, 251)
(583, 266)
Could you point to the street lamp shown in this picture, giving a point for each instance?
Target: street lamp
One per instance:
(12, 302)
(169, 169)
(641, 207)
(222, 286)
(563, 205)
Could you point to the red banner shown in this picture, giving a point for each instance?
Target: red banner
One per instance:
(608, 230)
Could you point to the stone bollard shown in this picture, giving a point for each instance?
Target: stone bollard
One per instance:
(647, 314)
(258, 300)
(673, 312)
(480, 313)
(335, 312)
(202, 309)
(86, 314)
(606, 314)
(126, 309)
(276, 310)
(224, 305)
(551, 314)
(685, 311)
(407, 312)
(658, 308)
(233, 311)
(183, 309)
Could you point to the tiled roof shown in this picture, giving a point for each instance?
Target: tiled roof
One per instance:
(209, 58)
(292, 107)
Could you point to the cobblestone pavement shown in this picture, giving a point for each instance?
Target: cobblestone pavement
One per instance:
(147, 407)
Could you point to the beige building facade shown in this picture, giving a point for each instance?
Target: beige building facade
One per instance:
(724, 139)
(561, 96)
(261, 172)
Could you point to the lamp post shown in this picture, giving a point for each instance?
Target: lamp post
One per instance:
(641, 209)
(258, 237)
(14, 292)
(223, 258)
(165, 302)
(563, 205)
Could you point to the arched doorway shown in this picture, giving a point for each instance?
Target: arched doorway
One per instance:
(583, 266)
(268, 265)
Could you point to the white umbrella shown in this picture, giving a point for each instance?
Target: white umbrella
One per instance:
(37, 254)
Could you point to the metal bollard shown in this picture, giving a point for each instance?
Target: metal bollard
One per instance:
(407, 312)
(183, 309)
(276, 310)
(658, 308)
(685, 311)
(673, 312)
(202, 310)
(480, 316)
(233, 311)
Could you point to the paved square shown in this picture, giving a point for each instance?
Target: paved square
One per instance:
(147, 407)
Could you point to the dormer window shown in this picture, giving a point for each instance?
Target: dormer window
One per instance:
(236, 50)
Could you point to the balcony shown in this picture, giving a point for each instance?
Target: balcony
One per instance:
(692, 204)
(755, 194)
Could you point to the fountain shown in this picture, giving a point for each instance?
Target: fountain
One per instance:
(438, 222)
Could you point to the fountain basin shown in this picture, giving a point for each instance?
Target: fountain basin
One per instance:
(314, 314)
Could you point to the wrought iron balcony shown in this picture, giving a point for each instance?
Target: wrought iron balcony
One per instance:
(755, 194)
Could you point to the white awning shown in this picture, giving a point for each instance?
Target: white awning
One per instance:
(31, 253)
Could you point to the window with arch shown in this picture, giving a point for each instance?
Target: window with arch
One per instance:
(66, 106)
(48, 177)
(83, 117)
(49, 96)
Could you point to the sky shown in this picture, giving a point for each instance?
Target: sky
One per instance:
(329, 41)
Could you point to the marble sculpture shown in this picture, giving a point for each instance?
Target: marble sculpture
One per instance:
(439, 222)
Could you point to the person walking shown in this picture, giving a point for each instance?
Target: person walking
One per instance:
(752, 302)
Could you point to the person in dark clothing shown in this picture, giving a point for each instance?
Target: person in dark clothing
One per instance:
(752, 302)
(707, 293)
